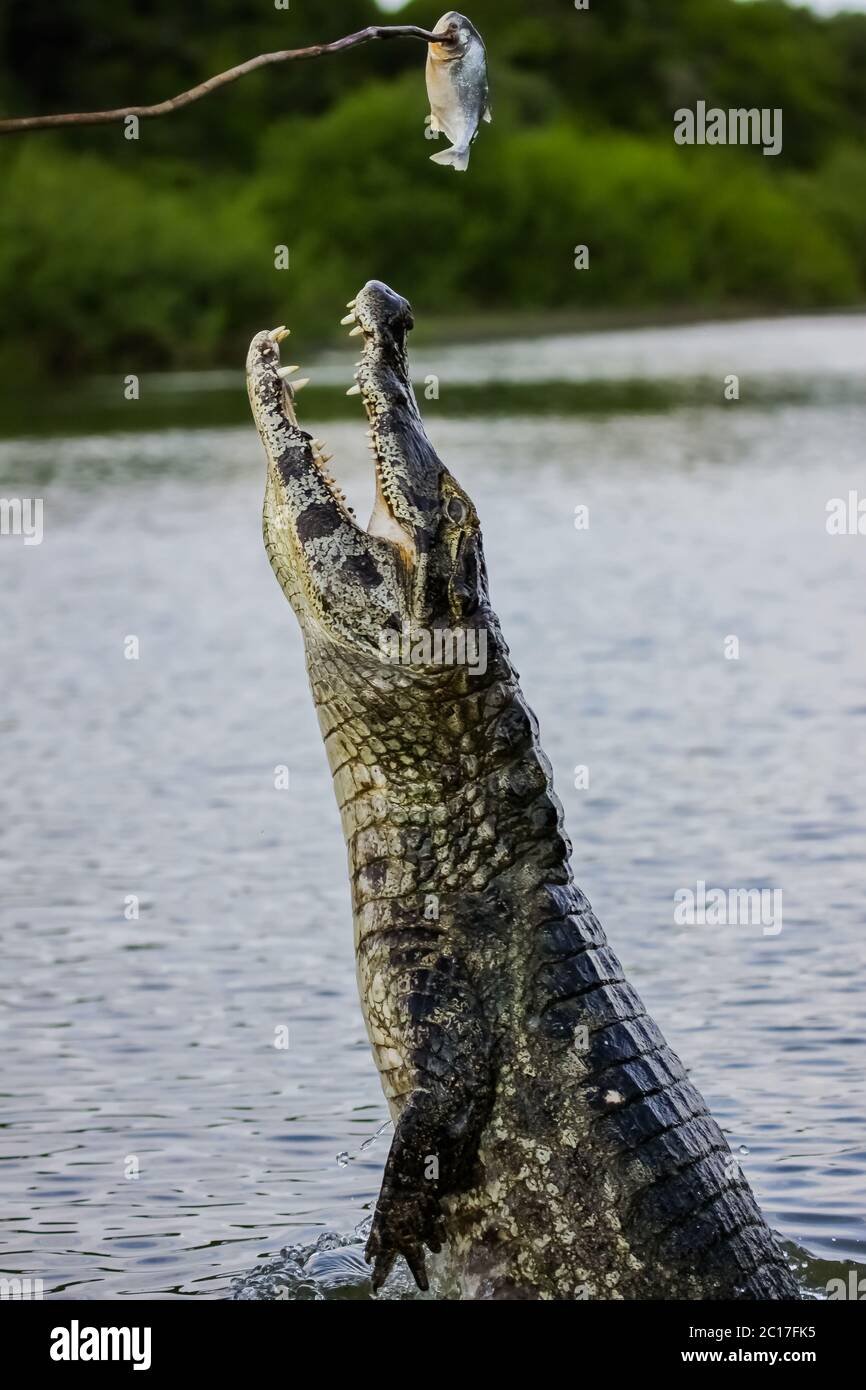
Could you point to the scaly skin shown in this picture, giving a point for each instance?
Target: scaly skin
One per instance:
(544, 1131)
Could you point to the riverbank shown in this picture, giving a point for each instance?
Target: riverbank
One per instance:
(602, 369)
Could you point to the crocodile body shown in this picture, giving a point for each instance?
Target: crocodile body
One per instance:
(545, 1134)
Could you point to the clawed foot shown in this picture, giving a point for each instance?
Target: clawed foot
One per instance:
(406, 1219)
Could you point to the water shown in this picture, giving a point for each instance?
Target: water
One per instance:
(157, 1142)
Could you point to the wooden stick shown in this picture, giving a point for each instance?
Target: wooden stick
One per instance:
(163, 108)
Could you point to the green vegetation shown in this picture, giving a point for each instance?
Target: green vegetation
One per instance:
(160, 251)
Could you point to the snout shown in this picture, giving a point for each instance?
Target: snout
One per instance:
(382, 312)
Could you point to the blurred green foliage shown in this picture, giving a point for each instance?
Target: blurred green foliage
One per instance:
(161, 251)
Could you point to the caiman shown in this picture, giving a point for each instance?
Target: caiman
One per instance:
(546, 1138)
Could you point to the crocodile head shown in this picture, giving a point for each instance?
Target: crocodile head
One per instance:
(419, 562)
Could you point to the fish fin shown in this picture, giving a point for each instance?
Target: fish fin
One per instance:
(458, 159)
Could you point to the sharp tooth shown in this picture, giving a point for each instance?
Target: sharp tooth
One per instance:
(355, 331)
(326, 458)
(350, 303)
(278, 334)
(287, 371)
(354, 390)
(299, 385)
(350, 318)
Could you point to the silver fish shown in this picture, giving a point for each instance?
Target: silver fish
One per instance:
(458, 89)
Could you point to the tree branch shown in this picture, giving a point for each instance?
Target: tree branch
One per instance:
(222, 79)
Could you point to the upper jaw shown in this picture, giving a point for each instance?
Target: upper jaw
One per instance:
(384, 319)
(408, 471)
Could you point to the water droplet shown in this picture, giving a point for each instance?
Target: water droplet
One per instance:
(343, 1159)
(373, 1137)
(743, 1149)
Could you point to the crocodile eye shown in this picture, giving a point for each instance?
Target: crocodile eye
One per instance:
(457, 510)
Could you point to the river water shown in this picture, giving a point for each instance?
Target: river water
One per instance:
(169, 915)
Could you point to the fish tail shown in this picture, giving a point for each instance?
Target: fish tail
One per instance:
(458, 159)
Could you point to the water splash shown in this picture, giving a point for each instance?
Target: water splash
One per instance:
(344, 1158)
(331, 1267)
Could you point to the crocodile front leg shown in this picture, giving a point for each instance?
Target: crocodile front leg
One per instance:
(433, 1052)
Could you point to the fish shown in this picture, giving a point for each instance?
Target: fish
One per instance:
(458, 88)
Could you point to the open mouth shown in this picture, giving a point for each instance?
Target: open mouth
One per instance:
(418, 552)
(381, 385)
